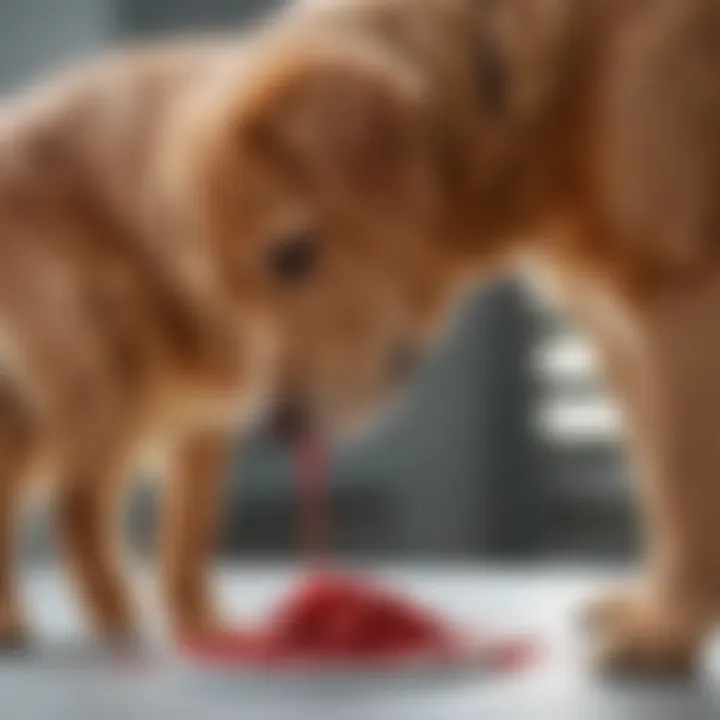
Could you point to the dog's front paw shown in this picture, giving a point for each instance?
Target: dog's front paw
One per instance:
(14, 641)
(607, 609)
(14, 637)
(634, 632)
(196, 622)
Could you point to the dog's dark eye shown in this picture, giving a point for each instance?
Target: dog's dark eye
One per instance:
(294, 258)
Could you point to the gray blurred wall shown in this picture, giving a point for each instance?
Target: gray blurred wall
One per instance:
(38, 34)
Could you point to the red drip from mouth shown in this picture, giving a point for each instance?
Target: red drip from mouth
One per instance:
(312, 471)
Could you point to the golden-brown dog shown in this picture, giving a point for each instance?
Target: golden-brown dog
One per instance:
(188, 232)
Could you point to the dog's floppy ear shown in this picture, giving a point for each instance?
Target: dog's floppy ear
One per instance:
(348, 116)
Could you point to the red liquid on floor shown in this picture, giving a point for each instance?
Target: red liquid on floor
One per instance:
(331, 617)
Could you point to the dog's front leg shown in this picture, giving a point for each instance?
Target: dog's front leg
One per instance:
(190, 517)
(666, 372)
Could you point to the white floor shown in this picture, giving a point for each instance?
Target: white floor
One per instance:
(62, 685)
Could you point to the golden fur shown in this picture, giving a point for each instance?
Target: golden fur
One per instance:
(420, 143)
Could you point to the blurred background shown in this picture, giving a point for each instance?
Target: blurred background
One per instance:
(508, 449)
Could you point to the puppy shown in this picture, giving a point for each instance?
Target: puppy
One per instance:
(170, 267)
(581, 138)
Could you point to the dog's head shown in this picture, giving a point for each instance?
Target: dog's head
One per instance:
(317, 193)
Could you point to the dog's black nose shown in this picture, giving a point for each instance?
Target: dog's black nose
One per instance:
(288, 421)
(404, 363)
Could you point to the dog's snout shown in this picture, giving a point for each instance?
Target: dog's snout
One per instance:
(403, 363)
(288, 421)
